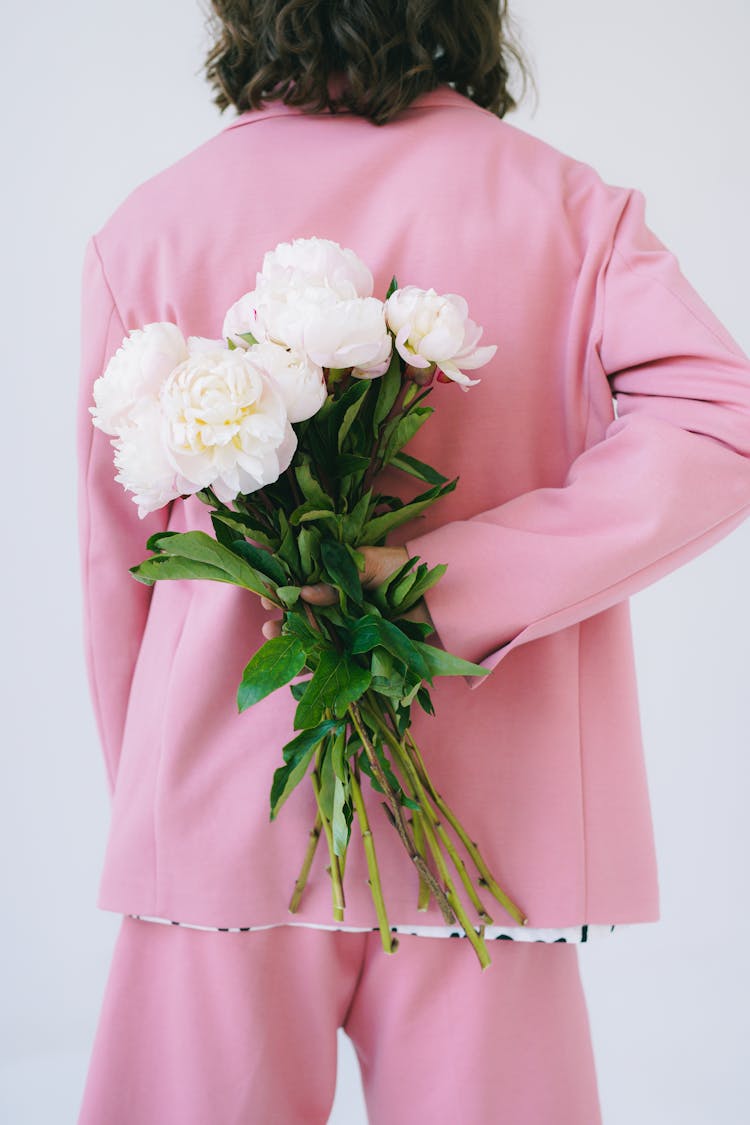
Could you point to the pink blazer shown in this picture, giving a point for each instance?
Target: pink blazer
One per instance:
(564, 508)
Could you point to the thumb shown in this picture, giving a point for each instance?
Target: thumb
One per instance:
(380, 562)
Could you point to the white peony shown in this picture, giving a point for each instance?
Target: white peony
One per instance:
(350, 333)
(331, 331)
(225, 423)
(380, 362)
(242, 317)
(316, 261)
(433, 329)
(300, 381)
(197, 344)
(135, 373)
(143, 464)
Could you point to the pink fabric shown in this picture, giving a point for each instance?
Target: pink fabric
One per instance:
(562, 511)
(201, 1029)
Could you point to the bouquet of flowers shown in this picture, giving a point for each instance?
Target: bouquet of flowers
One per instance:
(282, 427)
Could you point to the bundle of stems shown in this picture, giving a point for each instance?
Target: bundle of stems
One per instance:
(427, 824)
(369, 661)
(424, 835)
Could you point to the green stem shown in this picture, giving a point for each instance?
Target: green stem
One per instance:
(470, 845)
(394, 809)
(389, 944)
(337, 888)
(453, 899)
(294, 486)
(423, 899)
(299, 886)
(430, 820)
(375, 460)
(450, 891)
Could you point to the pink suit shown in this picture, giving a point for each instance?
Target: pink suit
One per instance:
(563, 509)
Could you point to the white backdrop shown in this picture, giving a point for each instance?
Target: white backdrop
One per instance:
(98, 97)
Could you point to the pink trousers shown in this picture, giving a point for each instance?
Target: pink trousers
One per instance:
(205, 1028)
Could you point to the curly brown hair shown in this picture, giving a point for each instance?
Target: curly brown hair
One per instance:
(387, 51)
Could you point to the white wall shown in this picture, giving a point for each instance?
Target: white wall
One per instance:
(97, 98)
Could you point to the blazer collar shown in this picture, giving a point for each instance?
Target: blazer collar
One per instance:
(443, 94)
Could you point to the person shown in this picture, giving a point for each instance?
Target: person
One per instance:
(607, 444)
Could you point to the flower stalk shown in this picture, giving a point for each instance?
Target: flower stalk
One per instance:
(390, 944)
(334, 870)
(312, 845)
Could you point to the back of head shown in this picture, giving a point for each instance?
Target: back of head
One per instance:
(370, 57)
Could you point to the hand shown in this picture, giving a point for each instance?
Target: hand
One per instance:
(380, 563)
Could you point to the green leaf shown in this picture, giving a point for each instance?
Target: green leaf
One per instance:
(224, 534)
(416, 630)
(379, 527)
(380, 593)
(297, 755)
(425, 700)
(308, 511)
(358, 559)
(152, 543)
(338, 754)
(199, 547)
(336, 682)
(286, 778)
(312, 490)
(352, 398)
(392, 687)
(319, 514)
(288, 550)
(308, 542)
(275, 663)
(364, 765)
(442, 663)
(248, 336)
(390, 385)
(349, 463)
(311, 738)
(425, 579)
(403, 718)
(364, 634)
(289, 595)
(243, 524)
(327, 780)
(404, 431)
(369, 630)
(340, 823)
(296, 625)
(417, 468)
(381, 662)
(353, 522)
(298, 689)
(408, 697)
(392, 287)
(402, 588)
(260, 560)
(341, 568)
(164, 566)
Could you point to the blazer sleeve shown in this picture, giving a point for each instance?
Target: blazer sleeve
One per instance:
(669, 478)
(112, 537)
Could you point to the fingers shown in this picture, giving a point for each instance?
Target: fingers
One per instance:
(319, 594)
(380, 563)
